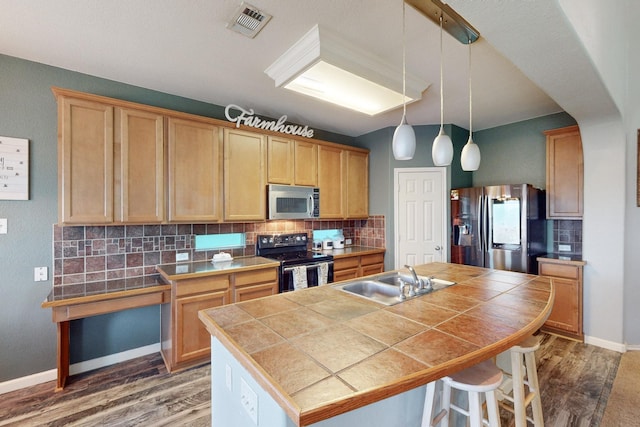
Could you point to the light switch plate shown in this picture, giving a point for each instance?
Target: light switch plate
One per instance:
(40, 274)
(564, 248)
(183, 256)
(3, 226)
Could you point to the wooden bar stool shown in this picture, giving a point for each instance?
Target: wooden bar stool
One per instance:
(518, 399)
(484, 377)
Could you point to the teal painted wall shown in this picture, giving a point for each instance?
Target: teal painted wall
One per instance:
(382, 165)
(516, 153)
(27, 334)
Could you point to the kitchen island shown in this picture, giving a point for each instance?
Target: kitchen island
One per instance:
(325, 356)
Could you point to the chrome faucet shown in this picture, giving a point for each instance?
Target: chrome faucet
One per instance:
(418, 284)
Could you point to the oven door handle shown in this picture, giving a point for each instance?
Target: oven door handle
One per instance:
(316, 265)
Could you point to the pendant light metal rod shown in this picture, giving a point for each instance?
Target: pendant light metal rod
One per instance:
(470, 103)
(441, 80)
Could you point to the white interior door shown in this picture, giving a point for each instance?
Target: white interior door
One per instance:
(421, 216)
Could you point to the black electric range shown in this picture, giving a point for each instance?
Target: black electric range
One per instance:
(293, 253)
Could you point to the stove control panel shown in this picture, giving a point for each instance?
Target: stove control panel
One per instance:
(282, 240)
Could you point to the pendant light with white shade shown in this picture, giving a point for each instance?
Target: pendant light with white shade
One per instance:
(404, 137)
(470, 159)
(442, 148)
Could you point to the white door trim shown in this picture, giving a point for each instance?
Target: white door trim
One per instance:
(445, 206)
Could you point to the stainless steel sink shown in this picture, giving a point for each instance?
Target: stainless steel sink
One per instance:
(374, 290)
(385, 288)
(395, 277)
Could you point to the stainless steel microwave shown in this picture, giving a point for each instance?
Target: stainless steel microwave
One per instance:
(293, 202)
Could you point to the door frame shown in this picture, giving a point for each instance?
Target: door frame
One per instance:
(445, 209)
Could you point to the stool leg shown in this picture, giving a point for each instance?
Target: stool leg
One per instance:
(518, 390)
(475, 409)
(532, 378)
(429, 400)
(446, 402)
(492, 409)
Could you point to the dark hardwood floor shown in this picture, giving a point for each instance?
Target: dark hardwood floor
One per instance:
(575, 379)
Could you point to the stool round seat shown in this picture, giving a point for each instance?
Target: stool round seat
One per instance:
(478, 380)
(484, 376)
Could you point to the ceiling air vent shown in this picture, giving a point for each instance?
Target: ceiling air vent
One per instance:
(248, 20)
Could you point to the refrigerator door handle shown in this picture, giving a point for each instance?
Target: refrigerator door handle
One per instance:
(480, 225)
(485, 223)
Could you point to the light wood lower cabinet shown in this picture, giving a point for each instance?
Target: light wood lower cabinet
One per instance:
(348, 267)
(566, 316)
(255, 284)
(185, 341)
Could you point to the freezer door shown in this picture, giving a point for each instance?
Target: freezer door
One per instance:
(466, 239)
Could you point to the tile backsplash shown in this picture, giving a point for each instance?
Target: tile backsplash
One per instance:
(95, 253)
(569, 234)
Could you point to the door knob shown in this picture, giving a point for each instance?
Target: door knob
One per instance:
(438, 248)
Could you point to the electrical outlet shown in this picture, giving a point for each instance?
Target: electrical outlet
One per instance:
(183, 256)
(564, 248)
(40, 274)
(347, 242)
(228, 377)
(3, 225)
(249, 400)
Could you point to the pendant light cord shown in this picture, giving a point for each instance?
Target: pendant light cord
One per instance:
(441, 80)
(404, 79)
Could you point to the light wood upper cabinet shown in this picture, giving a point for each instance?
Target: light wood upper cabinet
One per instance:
(245, 175)
(357, 184)
(305, 163)
(292, 162)
(139, 147)
(331, 174)
(565, 185)
(280, 152)
(195, 171)
(85, 161)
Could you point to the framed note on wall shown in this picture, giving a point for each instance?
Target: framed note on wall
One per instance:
(14, 168)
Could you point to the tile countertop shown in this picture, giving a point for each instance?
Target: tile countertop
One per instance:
(562, 258)
(350, 352)
(206, 268)
(352, 251)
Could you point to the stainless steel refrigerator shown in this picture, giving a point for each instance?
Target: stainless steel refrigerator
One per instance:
(501, 227)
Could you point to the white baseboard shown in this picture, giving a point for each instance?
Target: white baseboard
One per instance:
(609, 345)
(77, 368)
(634, 347)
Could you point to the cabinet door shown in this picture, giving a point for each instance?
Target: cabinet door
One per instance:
(85, 159)
(193, 341)
(280, 160)
(566, 306)
(564, 173)
(330, 181)
(140, 148)
(245, 176)
(306, 163)
(195, 171)
(346, 268)
(357, 184)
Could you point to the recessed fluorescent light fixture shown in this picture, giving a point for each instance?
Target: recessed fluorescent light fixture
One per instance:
(323, 66)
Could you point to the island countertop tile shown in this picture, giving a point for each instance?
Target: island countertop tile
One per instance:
(345, 352)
